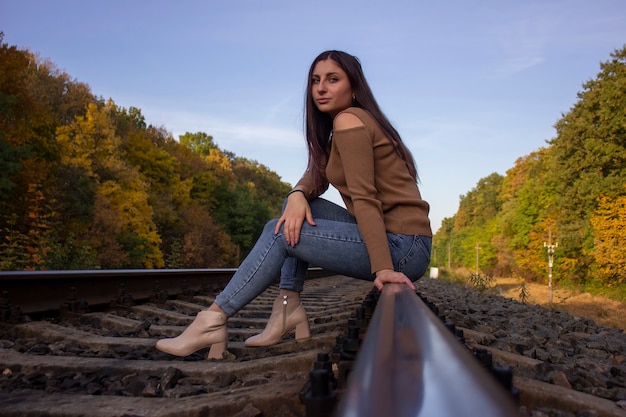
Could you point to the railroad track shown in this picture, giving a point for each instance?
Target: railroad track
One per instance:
(94, 355)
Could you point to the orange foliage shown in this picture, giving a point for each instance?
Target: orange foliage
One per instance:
(609, 227)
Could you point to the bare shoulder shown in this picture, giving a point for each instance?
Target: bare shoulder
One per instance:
(346, 120)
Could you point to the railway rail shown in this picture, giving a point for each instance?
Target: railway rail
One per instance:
(411, 365)
(82, 344)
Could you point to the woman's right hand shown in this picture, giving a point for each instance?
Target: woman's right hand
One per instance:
(389, 276)
(296, 211)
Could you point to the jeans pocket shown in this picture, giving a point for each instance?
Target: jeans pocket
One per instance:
(402, 248)
(412, 253)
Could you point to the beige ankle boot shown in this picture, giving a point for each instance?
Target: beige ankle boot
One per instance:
(208, 329)
(287, 314)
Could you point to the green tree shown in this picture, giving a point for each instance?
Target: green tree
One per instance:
(474, 224)
(525, 217)
(588, 159)
(199, 142)
(571, 190)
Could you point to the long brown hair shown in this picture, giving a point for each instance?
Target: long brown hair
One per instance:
(318, 125)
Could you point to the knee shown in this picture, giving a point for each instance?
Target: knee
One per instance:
(270, 226)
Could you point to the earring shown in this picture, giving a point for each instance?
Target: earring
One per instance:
(353, 98)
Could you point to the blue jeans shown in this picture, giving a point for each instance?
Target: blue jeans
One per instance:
(334, 244)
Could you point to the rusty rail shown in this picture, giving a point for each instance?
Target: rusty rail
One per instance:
(411, 365)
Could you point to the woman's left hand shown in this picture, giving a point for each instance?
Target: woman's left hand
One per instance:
(295, 213)
(387, 276)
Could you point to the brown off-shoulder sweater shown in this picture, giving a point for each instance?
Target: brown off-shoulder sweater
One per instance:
(375, 185)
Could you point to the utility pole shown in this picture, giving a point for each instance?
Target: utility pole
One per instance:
(550, 248)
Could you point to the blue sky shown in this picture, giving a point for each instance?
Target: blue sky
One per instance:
(470, 85)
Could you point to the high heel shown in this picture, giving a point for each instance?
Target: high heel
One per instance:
(207, 329)
(287, 314)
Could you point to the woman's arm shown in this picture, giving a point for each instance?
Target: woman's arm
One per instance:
(354, 142)
(357, 154)
(296, 211)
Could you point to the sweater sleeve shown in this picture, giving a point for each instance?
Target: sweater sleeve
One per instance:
(355, 147)
(306, 185)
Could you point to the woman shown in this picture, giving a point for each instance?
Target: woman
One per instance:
(384, 235)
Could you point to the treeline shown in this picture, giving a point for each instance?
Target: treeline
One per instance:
(85, 184)
(571, 193)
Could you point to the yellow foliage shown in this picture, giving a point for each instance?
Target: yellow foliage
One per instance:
(135, 216)
(219, 163)
(609, 227)
(90, 142)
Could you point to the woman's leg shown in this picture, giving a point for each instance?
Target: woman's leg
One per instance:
(294, 271)
(334, 244)
(287, 311)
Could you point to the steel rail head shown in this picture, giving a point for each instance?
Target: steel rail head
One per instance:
(37, 292)
(411, 365)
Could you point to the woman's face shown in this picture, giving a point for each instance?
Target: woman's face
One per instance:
(330, 87)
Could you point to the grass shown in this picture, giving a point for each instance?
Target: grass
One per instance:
(605, 306)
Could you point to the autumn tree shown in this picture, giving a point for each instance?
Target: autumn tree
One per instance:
(199, 142)
(35, 98)
(587, 160)
(473, 226)
(241, 194)
(204, 242)
(87, 184)
(91, 144)
(609, 230)
(571, 190)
